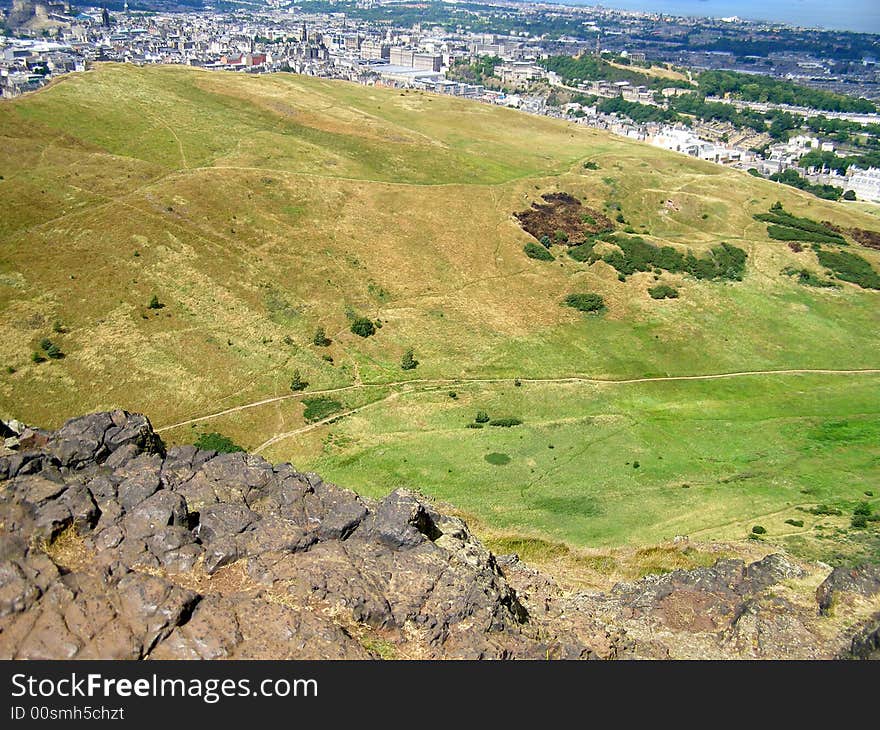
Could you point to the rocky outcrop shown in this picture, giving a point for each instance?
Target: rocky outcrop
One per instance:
(113, 547)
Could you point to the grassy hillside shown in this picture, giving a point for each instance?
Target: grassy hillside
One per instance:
(259, 208)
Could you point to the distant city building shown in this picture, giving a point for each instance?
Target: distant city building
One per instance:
(375, 50)
(427, 61)
(399, 56)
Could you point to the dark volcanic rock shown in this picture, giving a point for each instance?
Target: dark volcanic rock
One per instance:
(112, 548)
(861, 581)
(283, 564)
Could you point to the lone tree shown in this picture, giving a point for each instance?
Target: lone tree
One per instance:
(155, 303)
(320, 338)
(409, 361)
(363, 327)
(297, 383)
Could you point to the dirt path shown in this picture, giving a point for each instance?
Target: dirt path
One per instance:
(311, 426)
(433, 382)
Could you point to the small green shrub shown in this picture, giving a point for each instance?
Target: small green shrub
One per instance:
(216, 442)
(863, 508)
(297, 383)
(505, 422)
(320, 339)
(587, 302)
(474, 425)
(663, 291)
(590, 165)
(363, 327)
(155, 303)
(52, 350)
(824, 510)
(758, 530)
(37, 356)
(408, 361)
(859, 522)
(539, 253)
(560, 237)
(482, 417)
(453, 394)
(795, 523)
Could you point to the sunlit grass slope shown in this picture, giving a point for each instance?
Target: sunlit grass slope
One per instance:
(258, 208)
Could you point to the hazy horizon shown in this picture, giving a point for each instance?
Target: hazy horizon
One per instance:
(851, 15)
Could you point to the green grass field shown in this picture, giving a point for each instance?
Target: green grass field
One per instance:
(258, 208)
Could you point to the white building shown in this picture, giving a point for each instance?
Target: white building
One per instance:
(864, 183)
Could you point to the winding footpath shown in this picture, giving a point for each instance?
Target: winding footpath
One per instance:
(429, 383)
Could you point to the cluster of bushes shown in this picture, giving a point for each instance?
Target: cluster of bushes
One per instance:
(862, 515)
(317, 409)
(216, 442)
(482, 419)
(723, 262)
(48, 349)
(363, 327)
(663, 291)
(784, 233)
(506, 422)
(582, 252)
(320, 339)
(808, 278)
(783, 226)
(824, 510)
(535, 251)
(850, 267)
(297, 383)
(588, 302)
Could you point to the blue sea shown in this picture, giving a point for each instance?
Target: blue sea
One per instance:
(854, 15)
